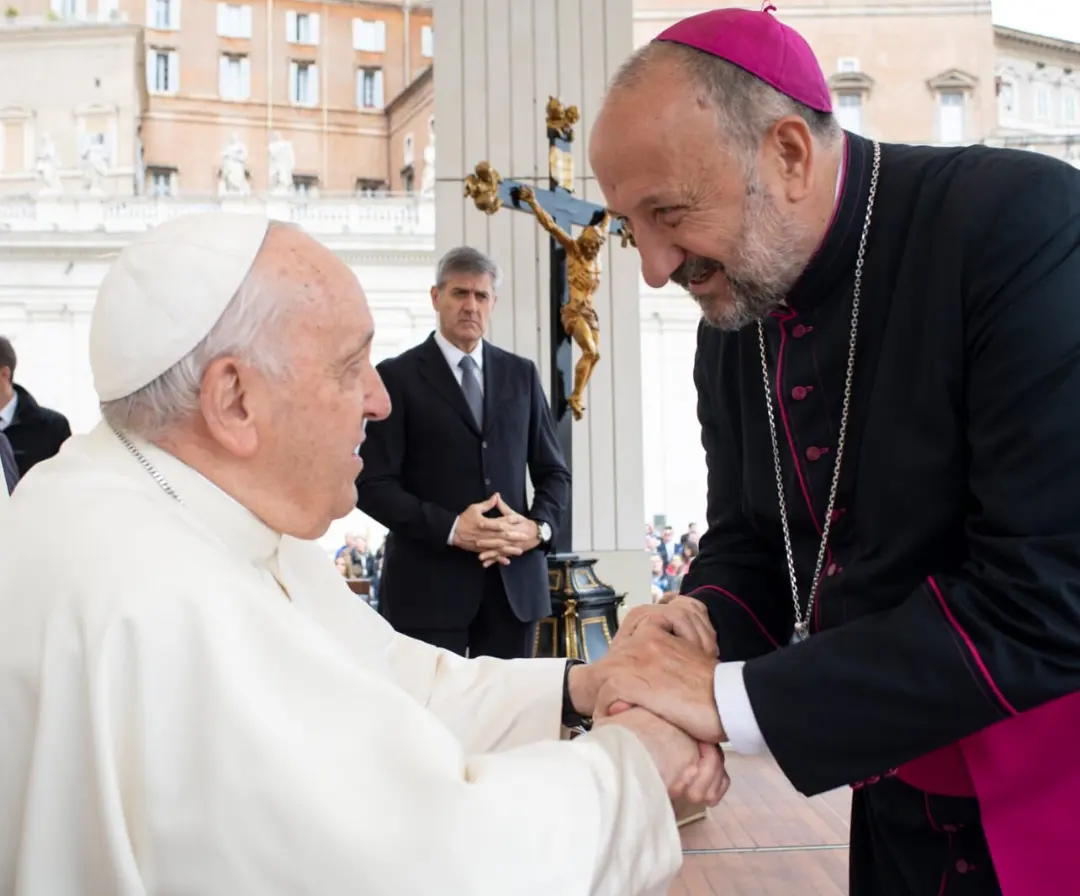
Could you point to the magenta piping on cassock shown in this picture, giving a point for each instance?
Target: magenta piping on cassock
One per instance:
(795, 457)
(936, 591)
(742, 604)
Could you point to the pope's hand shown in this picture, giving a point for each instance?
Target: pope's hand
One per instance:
(683, 616)
(688, 769)
(666, 674)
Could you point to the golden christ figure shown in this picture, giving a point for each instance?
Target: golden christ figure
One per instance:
(578, 315)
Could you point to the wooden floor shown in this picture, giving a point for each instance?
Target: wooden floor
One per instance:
(765, 839)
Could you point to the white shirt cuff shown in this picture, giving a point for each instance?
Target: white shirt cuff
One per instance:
(736, 713)
(453, 529)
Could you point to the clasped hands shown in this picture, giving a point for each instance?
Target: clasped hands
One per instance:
(496, 539)
(657, 680)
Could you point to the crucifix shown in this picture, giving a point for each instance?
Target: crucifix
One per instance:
(584, 605)
(574, 266)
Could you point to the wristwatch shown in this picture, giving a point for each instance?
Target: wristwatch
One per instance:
(543, 531)
(571, 718)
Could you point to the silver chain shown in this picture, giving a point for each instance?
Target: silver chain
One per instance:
(149, 467)
(802, 625)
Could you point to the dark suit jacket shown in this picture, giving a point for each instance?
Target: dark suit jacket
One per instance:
(428, 461)
(36, 433)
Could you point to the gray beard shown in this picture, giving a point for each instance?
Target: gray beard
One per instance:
(745, 307)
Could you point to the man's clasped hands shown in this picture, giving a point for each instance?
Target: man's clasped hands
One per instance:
(496, 539)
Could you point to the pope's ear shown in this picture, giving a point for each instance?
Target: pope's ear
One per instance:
(225, 402)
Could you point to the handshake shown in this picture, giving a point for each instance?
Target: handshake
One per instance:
(657, 681)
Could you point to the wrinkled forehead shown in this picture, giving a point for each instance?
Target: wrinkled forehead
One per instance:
(645, 145)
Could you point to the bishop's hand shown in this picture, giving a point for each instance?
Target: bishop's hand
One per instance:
(525, 194)
(666, 674)
(683, 616)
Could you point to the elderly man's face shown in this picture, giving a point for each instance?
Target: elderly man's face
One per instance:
(729, 237)
(310, 424)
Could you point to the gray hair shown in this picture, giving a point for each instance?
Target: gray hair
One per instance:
(746, 106)
(248, 329)
(469, 261)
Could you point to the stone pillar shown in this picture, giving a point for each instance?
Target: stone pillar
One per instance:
(498, 62)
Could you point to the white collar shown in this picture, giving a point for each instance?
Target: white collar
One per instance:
(453, 354)
(7, 413)
(211, 509)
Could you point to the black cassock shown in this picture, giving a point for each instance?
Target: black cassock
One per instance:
(950, 598)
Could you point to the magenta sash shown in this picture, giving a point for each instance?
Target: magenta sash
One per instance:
(1025, 772)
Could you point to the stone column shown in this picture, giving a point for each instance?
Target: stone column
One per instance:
(498, 62)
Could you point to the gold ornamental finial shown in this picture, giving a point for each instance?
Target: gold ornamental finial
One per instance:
(561, 119)
(482, 188)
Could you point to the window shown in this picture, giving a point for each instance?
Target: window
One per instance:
(68, 9)
(304, 83)
(368, 187)
(1069, 106)
(1042, 102)
(847, 64)
(408, 153)
(849, 112)
(162, 71)
(233, 21)
(369, 88)
(234, 77)
(369, 37)
(427, 42)
(305, 184)
(301, 27)
(160, 181)
(951, 116)
(163, 15)
(1006, 100)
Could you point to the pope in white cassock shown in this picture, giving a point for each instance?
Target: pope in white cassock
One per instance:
(194, 703)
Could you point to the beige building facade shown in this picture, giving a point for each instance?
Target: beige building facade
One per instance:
(225, 98)
(71, 98)
(1038, 83)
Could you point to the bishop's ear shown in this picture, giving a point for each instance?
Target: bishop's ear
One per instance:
(791, 150)
(228, 402)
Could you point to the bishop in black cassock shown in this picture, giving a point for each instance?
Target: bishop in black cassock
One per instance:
(894, 430)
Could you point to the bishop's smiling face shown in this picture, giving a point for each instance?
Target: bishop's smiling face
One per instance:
(701, 216)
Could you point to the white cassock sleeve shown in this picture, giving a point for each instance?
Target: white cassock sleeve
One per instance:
(229, 746)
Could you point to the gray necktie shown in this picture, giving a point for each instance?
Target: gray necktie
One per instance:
(470, 385)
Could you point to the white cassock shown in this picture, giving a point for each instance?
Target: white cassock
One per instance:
(171, 723)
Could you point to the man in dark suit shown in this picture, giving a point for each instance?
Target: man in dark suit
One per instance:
(35, 433)
(464, 565)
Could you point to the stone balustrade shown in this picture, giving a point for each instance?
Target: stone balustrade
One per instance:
(391, 215)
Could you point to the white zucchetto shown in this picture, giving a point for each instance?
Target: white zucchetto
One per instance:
(164, 293)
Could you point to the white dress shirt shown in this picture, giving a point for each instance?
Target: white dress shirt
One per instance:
(7, 413)
(453, 356)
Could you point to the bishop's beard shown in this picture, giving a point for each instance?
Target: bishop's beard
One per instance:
(770, 260)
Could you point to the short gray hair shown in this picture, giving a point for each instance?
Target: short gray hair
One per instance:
(249, 329)
(746, 106)
(469, 261)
